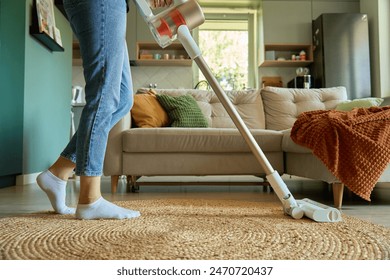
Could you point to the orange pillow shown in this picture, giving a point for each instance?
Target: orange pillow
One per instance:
(147, 111)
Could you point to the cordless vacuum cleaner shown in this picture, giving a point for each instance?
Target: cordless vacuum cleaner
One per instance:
(175, 22)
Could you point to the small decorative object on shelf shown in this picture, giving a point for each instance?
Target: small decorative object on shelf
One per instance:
(43, 26)
(302, 55)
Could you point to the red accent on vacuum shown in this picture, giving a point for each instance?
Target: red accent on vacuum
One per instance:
(177, 18)
(164, 29)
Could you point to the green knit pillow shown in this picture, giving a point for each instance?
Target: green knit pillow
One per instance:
(183, 111)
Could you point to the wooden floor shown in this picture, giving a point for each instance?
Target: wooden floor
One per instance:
(29, 198)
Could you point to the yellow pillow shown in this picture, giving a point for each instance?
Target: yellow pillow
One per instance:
(147, 111)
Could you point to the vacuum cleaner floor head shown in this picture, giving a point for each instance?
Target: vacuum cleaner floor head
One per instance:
(319, 212)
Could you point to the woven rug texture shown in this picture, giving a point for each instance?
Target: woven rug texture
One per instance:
(180, 229)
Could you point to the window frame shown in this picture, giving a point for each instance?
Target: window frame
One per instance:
(249, 15)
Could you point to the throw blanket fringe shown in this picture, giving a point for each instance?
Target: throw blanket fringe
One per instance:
(354, 146)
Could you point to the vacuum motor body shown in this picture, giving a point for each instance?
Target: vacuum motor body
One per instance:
(164, 25)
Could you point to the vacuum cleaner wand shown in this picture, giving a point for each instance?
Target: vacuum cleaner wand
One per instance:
(189, 10)
(289, 204)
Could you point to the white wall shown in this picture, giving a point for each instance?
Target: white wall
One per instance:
(379, 25)
(384, 40)
(287, 22)
(164, 76)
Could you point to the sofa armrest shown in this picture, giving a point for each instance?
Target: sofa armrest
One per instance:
(114, 151)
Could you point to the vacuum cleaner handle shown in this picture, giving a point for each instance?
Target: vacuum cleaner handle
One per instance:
(145, 10)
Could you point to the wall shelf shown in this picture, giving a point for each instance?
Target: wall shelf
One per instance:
(45, 39)
(281, 55)
(163, 62)
(285, 63)
(173, 55)
(77, 61)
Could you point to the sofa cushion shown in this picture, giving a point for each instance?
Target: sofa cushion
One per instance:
(248, 104)
(183, 111)
(283, 105)
(148, 112)
(168, 139)
(289, 146)
(359, 103)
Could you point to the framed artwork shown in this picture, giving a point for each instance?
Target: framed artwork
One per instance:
(46, 20)
(43, 26)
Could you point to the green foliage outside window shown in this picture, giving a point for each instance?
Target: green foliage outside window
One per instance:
(226, 52)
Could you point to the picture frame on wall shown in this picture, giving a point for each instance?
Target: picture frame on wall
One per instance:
(43, 25)
(46, 20)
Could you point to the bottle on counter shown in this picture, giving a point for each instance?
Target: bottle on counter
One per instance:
(307, 81)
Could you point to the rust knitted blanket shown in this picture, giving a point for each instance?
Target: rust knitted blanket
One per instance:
(354, 146)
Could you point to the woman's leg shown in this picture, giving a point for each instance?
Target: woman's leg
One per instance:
(100, 28)
(64, 166)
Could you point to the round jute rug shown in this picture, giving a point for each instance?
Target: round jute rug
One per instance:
(192, 229)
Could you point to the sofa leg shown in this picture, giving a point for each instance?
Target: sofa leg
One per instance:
(114, 183)
(338, 190)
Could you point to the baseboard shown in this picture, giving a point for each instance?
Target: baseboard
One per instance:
(26, 179)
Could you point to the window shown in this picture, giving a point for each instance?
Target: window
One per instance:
(226, 41)
(226, 51)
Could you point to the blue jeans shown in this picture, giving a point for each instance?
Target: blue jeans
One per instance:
(100, 27)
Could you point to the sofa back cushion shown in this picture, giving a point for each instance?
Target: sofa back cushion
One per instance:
(248, 104)
(283, 105)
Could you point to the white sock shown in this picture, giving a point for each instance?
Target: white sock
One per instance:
(55, 188)
(103, 209)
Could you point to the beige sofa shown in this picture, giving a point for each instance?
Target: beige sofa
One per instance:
(219, 149)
